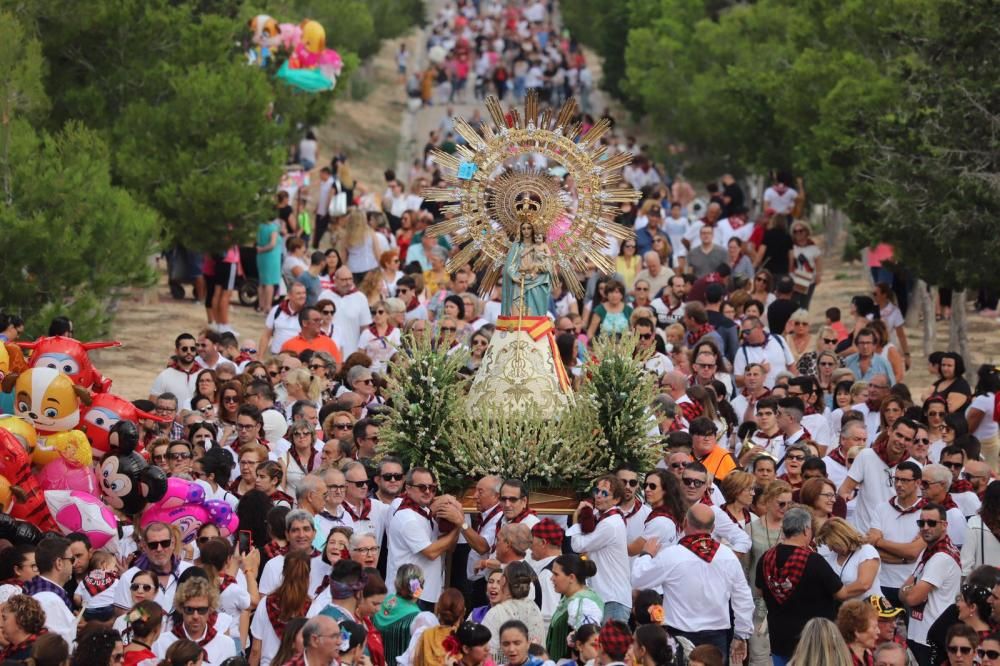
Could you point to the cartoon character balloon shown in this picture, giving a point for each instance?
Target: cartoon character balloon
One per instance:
(50, 401)
(311, 67)
(184, 506)
(18, 531)
(76, 511)
(70, 357)
(127, 481)
(105, 410)
(15, 467)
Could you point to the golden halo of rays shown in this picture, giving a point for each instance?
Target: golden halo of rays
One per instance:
(477, 212)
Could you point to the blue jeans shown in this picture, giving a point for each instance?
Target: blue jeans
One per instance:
(616, 611)
(778, 661)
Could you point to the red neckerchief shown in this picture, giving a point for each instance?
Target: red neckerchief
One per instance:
(322, 585)
(961, 486)
(312, 458)
(374, 331)
(413, 305)
(366, 508)
(11, 650)
(225, 580)
(98, 580)
(706, 499)
(613, 511)
(242, 357)
(691, 410)
(278, 496)
(479, 521)
(661, 512)
(195, 367)
(284, 307)
(16, 582)
(767, 438)
(353, 290)
(516, 519)
(638, 505)
(273, 549)
(274, 613)
(376, 646)
(210, 633)
(916, 507)
(942, 545)
(805, 435)
(747, 516)
(783, 582)
(796, 486)
(746, 394)
(408, 503)
(949, 502)
(881, 449)
(697, 334)
(809, 410)
(865, 660)
(702, 545)
(670, 308)
(838, 457)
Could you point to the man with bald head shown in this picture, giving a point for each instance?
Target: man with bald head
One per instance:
(977, 473)
(702, 578)
(481, 534)
(352, 315)
(655, 273)
(321, 640)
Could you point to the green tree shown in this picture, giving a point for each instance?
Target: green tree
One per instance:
(204, 166)
(71, 238)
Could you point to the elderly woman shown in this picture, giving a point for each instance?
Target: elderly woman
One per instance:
(380, 340)
(519, 579)
(858, 624)
(857, 562)
(797, 334)
(360, 379)
(302, 457)
(23, 622)
(197, 600)
(396, 614)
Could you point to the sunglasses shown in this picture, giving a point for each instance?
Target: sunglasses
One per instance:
(795, 458)
(935, 413)
(507, 499)
(273, 373)
(204, 539)
(317, 366)
(359, 484)
(991, 654)
(425, 487)
(248, 350)
(600, 492)
(953, 465)
(392, 477)
(188, 349)
(680, 465)
(448, 329)
(377, 312)
(159, 545)
(645, 336)
(692, 483)
(342, 426)
(145, 587)
(196, 610)
(927, 484)
(631, 483)
(329, 312)
(781, 505)
(650, 486)
(960, 649)
(830, 341)
(921, 523)
(180, 455)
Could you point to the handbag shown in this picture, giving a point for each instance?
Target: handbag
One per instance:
(338, 204)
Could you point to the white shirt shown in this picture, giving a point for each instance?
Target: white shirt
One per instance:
(700, 592)
(164, 596)
(326, 520)
(218, 649)
(968, 502)
(944, 574)
(352, 315)
(380, 350)
(819, 429)
(635, 523)
(662, 529)
(980, 546)
(550, 598)
(272, 576)
(178, 382)
(875, 486)
(774, 352)
(234, 600)
(607, 547)
(488, 530)
(374, 523)
(781, 204)
(409, 534)
(283, 327)
(848, 571)
(59, 619)
(897, 527)
(262, 630)
(729, 533)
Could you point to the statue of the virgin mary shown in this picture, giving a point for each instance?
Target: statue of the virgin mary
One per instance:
(526, 284)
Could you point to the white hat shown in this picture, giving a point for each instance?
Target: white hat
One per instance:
(275, 425)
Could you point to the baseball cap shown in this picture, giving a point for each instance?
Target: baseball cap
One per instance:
(884, 609)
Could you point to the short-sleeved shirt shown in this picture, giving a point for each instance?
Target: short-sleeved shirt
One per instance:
(848, 571)
(813, 597)
(875, 486)
(409, 534)
(943, 572)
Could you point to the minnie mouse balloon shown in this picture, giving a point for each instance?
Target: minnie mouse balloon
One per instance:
(222, 516)
(127, 481)
(82, 512)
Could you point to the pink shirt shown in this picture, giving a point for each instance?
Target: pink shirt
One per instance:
(878, 254)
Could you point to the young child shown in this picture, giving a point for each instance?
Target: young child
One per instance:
(96, 592)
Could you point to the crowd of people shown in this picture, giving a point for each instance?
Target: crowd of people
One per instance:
(809, 507)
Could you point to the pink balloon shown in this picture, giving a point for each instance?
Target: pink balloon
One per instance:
(60, 475)
(187, 518)
(180, 492)
(82, 512)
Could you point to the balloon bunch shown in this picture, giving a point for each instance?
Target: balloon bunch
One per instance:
(184, 506)
(310, 67)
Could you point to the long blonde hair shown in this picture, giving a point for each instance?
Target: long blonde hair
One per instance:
(311, 385)
(821, 645)
(356, 231)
